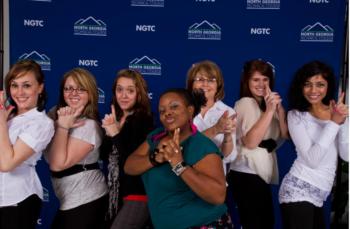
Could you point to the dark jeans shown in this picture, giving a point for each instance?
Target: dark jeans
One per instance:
(87, 216)
(22, 216)
(302, 215)
(254, 200)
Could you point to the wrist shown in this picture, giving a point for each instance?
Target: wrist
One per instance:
(62, 127)
(179, 168)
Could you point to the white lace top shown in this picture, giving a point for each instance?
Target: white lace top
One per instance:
(317, 143)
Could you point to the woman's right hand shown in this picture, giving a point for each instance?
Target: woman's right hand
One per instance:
(68, 117)
(226, 124)
(272, 99)
(110, 124)
(4, 111)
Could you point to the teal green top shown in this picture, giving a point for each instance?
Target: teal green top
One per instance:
(172, 204)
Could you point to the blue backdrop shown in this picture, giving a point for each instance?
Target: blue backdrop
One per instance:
(163, 38)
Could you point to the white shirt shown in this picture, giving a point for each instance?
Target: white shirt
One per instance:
(248, 113)
(210, 119)
(84, 187)
(317, 145)
(35, 129)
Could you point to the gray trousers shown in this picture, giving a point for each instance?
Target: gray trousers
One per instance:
(132, 215)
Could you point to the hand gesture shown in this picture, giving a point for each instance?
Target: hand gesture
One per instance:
(5, 111)
(226, 123)
(68, 117)
(170, 149)
(110, 124)
(272, 99)
(339, 111)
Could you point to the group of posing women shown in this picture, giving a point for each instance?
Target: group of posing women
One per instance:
(175, 176)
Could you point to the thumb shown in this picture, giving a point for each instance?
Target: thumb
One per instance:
(78, 111)
(225, 114)
(78, 123)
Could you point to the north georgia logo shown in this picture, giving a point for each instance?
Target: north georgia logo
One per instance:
(148, 3)
(101, 95)
(90, 27)
(204, 31)
(46, 195)
(146, 66)
(317, 33)
(263, 4)
(41, 59)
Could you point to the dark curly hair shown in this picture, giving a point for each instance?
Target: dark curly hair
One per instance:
(195, 98)
(295, 95)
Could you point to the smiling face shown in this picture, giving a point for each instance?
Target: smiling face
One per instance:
(258, 84)
(208, 84)
(25, 91)
(126, 93)
(74, 95)
(173, 112)
(315, 89)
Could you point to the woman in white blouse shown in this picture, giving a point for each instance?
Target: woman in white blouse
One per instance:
(318, 127)
(216, 120)
(25, 131)
(261, 122)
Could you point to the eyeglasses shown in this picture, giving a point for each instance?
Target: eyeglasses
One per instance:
(203, 80)
(77, 90)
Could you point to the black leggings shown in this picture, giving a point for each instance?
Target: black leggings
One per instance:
(22, 216)
(302, 215)
(86, 216)
(254, 200)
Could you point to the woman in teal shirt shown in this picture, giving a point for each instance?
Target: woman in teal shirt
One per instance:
(181, 168)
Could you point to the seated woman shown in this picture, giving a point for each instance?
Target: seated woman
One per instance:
(181, 168)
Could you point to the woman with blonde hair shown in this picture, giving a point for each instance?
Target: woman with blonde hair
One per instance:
(216, 119)
(78, 182)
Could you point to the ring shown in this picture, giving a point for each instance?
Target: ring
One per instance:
(169, 161)
(176, 151)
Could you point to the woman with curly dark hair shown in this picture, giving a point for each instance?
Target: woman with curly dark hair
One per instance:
(317, 127)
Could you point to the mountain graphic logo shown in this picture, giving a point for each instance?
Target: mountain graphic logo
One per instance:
(317, 33)
(148, 3)
(204, 31)
(42, 59)
(263, 4)
(101, 96)
(146, 66)
(46, 195)
(90, 27)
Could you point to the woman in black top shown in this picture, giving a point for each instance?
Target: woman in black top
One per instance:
(126, 128)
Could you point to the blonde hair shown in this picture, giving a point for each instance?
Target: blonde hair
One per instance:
(212, 70)
(86, 81)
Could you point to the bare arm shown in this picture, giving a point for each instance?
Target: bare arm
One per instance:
(206, 178)
(138, 162)
(66, 151)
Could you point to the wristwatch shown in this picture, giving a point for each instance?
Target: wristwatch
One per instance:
(179, 168)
